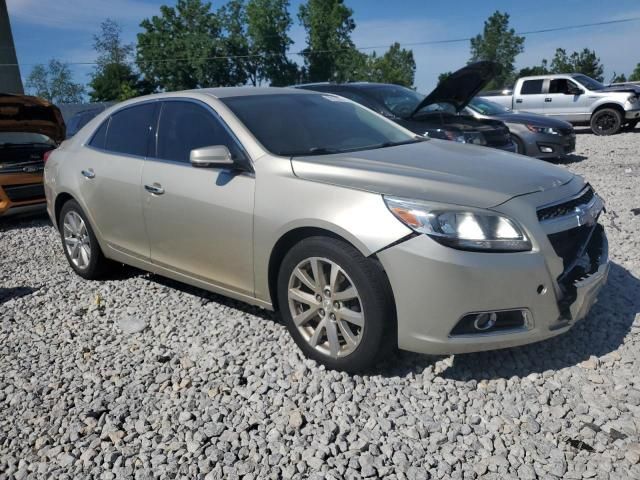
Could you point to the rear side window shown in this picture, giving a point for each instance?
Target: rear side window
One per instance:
(185, 126)
(531, 87)
(129, 130)
(100, 136)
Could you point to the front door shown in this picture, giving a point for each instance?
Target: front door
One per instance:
(562, 105)
(199, 220)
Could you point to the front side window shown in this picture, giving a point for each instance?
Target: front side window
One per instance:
(561, 85)
(314, 124)
(531, 87)
(129, 130)
(185, 126)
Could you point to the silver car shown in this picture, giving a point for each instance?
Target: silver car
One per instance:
(362, 235)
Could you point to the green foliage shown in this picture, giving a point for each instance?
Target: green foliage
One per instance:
(113, 77)
(586, 62)
(542, 69)
(443, 76)
(330, 52)
(395, 66)
(256, 33)
(54, 82)
(183, 48)
(500, 44)
(635, 75)
(618, 78)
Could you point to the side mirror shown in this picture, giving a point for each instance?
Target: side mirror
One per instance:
(574, 91)
(211, 157)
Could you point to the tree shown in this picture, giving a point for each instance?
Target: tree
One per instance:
(255, 34)
(618, 78)
(183, 48)
(500, 44)
(330, 52)
(113, 77)
(443, 76)
(585, 62)
(395, 66)
(267, 24)
(542, 69)
(635, 75)
(54, 83)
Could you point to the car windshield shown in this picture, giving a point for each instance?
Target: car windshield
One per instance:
(588, 82)
(401, 101)
(486, 107)
(314, 124)
(10, 139)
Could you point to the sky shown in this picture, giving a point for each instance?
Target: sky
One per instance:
(64, 29)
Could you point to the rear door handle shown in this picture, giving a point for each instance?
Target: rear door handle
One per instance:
(518, 100)
(547, 99)
(156, 189)
(89, 173)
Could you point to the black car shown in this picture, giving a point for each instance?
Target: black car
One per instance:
(439, 114)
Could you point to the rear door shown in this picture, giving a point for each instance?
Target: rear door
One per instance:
(199, 220)
(110, 178)
(530, 97)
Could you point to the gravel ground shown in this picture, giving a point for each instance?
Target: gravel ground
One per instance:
(139, 377)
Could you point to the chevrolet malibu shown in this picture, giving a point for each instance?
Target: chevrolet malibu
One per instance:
(362, 235)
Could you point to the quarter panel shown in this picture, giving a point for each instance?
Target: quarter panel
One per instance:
(284, 202)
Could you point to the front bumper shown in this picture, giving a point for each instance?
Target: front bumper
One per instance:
(632, 114)
(435, 286)
(549, 146)
(20, 192)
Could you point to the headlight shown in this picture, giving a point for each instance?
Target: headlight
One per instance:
(464, 230)
(549, 130)
(633, 99)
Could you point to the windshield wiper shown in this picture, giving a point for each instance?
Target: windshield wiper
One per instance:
(28, 144)
(415, 139)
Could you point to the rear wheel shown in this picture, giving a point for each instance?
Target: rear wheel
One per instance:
(80, 244)
(335, 303)
(606, 121)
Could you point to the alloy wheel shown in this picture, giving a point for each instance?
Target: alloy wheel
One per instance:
(76, 239)
(605, 122)
(326, 307)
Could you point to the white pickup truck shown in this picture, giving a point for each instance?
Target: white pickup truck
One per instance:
(574, 98)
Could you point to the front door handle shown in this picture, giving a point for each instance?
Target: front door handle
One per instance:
(89, 173)
(518, 100)
(156, 189)
(547, 99)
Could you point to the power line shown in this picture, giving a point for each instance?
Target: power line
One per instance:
(372, 47)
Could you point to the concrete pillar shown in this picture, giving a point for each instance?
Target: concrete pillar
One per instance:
(10, 81)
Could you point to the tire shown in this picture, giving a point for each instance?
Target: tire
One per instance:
(83, 253)
(606, 121)
(519, 145)
(356, 346)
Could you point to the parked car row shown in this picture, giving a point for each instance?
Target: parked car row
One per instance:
(363, 234)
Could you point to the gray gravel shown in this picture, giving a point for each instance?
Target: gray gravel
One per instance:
(139, 377)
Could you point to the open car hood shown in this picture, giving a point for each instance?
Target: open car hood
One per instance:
(22, 113)
(461, 86)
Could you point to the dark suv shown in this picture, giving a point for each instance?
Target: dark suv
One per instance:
(438, 115)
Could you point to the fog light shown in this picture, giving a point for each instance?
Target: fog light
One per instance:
(485, 321)
(546, 149)
(503, 321)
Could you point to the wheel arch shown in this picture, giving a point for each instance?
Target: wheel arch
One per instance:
(61, 199)
(614, 106)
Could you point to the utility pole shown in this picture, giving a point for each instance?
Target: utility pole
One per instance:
(10, 81)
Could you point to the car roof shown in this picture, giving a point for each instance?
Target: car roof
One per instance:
(227, 92)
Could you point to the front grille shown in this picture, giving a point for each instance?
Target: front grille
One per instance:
(24, 193)
(567, 244)
(565, 208)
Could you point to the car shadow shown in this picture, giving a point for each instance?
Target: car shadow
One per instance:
(568, 159)
(12, 293)
(25, 220)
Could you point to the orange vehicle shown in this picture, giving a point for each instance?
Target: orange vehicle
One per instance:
(29, 128)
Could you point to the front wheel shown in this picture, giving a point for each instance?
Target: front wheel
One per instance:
(606, 121)
(336, 304)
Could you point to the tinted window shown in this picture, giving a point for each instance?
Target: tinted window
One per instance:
(531, 87)
(185, 126)
(561, 85)
(401, 101)
(100, 136)
(129, 130)
(314, 124)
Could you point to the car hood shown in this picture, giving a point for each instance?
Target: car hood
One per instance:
(435, 170)
(461, 86)
(531, 119)
(621, 88)
(22, 113)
